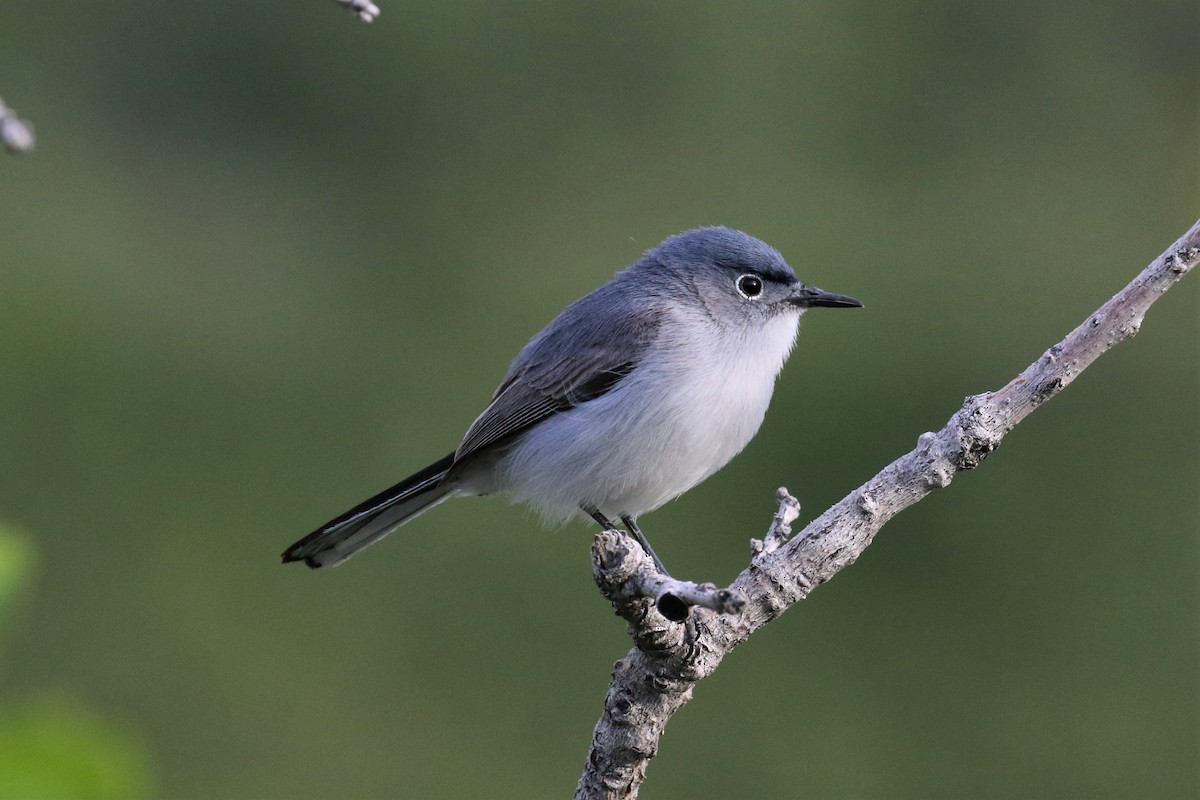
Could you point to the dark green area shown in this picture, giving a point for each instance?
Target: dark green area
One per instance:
(267, 260)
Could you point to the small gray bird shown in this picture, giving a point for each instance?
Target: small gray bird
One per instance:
(634, 394)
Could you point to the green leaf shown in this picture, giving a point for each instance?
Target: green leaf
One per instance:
(16, 571)
(16, 564)
(54, 748)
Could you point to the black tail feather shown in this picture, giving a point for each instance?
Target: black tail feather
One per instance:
(369, 521)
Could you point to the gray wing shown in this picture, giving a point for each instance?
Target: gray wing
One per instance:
(579, 356)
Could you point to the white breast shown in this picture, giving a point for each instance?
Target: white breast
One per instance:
(692, 404)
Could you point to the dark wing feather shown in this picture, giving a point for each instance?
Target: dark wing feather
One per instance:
(541, 382)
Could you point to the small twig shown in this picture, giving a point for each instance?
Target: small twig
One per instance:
(781, 525)
(672, 593)
(627, 577)
(365, 9)
(15, 132)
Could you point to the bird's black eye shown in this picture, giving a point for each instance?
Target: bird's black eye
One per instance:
(749, 286)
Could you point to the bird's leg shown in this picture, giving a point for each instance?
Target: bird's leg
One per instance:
(632, 527)
(601, 520)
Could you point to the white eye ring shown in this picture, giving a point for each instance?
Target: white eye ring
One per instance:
(749, 286)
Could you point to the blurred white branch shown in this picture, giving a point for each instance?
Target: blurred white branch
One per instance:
(365, 9)
(656, 677)
(15, 133)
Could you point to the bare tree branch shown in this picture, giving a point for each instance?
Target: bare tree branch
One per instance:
(627, 576)
(15, 133)
(656, 678)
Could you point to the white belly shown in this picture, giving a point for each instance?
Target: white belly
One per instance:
(679, 417)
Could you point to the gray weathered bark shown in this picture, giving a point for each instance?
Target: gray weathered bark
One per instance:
(656, 677)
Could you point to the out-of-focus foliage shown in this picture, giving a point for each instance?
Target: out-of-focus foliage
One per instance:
(54, 747)
(58, 749)
(16, 566)
(266, 260)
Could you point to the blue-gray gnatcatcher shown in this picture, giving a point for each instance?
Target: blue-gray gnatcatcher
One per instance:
(634, 394)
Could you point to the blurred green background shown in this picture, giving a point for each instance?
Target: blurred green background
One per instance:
(267, 260)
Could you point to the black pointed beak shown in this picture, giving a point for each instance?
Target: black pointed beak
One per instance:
(810, 297)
